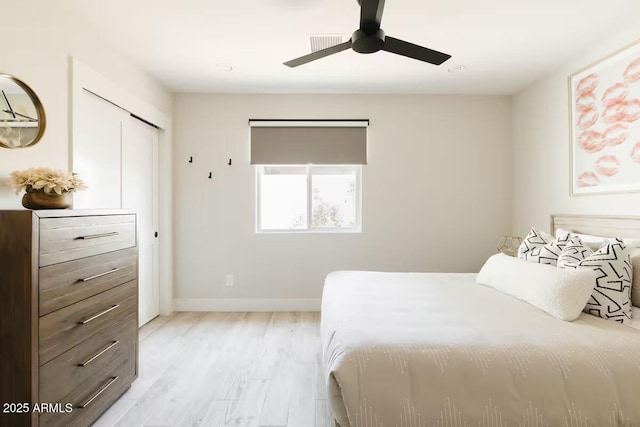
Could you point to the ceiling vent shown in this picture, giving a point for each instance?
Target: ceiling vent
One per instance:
(323, 41)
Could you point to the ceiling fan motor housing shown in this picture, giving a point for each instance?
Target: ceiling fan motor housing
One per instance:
(362, 42)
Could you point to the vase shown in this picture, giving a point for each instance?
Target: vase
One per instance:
(46, 201)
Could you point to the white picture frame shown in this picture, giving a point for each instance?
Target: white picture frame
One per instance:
(605, 125)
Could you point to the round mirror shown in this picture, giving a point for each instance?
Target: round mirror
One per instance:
(22, 119)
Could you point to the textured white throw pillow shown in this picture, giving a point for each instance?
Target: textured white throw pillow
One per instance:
(562, 293)
(611, 297)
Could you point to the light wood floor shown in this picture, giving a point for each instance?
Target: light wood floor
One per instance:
(226, 369)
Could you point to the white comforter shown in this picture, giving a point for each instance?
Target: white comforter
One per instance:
(410, 349)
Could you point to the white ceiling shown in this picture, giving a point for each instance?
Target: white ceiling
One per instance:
(504, 44)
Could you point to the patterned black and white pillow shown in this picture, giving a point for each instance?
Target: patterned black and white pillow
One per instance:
(611, 297)
(533, 240)
(541, 248)
(574, 252)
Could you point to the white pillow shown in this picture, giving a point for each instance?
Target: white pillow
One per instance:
(635, 243)
(562, 293)
(591, 241)
(595, 242)
(611, 297)
(541, 247)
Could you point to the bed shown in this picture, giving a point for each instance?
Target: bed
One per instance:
(436, 349)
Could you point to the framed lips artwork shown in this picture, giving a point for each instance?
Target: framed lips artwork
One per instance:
(605, 125)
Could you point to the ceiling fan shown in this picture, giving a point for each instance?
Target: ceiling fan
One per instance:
(370, 38)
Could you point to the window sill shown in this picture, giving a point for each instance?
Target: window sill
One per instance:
(347, 231)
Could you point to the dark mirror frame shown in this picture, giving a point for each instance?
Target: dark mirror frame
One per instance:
(42, 119)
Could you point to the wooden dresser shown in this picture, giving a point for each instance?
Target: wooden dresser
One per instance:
(68, 314)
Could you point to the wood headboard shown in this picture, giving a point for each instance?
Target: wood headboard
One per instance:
(606, 226)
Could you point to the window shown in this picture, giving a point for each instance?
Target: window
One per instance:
(308, 198)
(308, 174)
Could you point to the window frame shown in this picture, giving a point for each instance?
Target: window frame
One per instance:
(309, 230)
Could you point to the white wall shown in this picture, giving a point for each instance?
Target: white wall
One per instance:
(435, 194)
(38, 39)
(541, 148)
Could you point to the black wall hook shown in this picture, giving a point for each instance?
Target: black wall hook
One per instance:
(210, 176)
(229, 162)
(190, 159)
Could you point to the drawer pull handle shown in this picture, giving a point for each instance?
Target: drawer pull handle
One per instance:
(92, 318)
(103, 351)
(95, 396)
(86, 279)
(97, 236)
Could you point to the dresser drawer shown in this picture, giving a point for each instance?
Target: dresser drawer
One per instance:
(96, 394)
(67, 371)
(66, 239)
(64, 284)
(69, 326)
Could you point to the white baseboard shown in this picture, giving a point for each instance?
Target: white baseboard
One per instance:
(245, 304)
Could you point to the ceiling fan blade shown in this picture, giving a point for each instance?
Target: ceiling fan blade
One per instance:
(414, 51)
(371, 14)
(319, 54)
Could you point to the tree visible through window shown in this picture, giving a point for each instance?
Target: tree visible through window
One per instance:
(308, 198)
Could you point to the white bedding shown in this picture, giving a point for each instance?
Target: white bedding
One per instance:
(415, 349)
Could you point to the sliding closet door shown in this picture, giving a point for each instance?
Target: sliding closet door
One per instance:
(117, 156)
(140, 194)
(96, 151)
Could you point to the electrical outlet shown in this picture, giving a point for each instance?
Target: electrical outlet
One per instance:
(228, 280)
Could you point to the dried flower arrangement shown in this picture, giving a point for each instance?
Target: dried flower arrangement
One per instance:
(46, 180)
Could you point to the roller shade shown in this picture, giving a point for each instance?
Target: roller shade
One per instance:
(300, 143)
